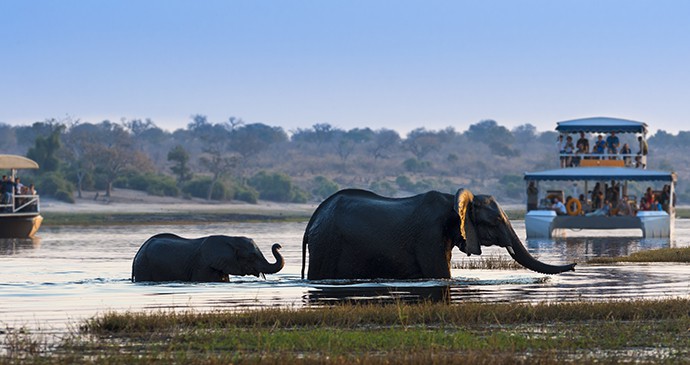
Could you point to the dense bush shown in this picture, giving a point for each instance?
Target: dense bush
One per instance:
(415, 165)
(153, 184)
(323, 187)
(246, 194)
(278, 187)
(55, 185)
(383, 187)
(198, 188)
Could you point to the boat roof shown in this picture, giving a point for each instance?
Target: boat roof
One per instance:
(601, 125)
(17, 162)
(600, 174)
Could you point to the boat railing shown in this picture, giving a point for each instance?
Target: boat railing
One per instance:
(20, 203)
(604, 159)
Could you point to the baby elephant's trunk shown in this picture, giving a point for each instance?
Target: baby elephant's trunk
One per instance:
(269, 268)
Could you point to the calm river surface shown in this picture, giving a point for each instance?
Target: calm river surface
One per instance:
(71, 273)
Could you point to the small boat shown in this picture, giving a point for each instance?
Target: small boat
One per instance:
(20, 213)
(600, 189)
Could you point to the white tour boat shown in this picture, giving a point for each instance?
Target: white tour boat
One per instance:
(601, 191)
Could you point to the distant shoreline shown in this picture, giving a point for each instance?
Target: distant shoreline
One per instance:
(130, 207)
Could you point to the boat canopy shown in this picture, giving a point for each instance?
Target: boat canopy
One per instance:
(600, 174)
(601, 125)
(11, 162)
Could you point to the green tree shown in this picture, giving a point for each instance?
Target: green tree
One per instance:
(45, 149)
(113, 152)
(180, 158)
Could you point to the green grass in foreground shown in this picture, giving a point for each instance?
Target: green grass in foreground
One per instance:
(658, 255)
(610, 332)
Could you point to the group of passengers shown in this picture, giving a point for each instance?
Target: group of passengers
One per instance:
(10, 188)
(606, 201)
(609, 146)
(662, 200)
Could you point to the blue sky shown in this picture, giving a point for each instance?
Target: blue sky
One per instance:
(382, 64)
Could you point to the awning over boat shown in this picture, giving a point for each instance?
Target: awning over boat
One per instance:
(16, 162)
(601, 125)
(600, 174)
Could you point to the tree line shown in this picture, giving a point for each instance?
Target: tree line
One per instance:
(237, 160)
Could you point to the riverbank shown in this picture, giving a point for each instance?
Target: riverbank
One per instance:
(135, 207)
(126, 207)
(641, 331)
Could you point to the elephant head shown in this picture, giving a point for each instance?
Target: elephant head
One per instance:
(484, 223)
(241, 256)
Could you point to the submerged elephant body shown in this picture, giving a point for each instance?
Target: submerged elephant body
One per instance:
(356, 234)
(168, 257)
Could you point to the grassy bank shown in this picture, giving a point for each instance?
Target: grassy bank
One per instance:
(659, 255)
(641, 331)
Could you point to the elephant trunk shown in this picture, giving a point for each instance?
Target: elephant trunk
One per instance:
(520, 254)
(268, 268)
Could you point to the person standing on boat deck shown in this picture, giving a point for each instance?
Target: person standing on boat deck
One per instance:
(7, 186)
(582, 146)
(596, 197)
(584, 204)
(532, 196)
(18, 186)
(641, 158)
(599, 146)
(612, 143)
(625, 152)
(559, 207)
(560, 145)
(568, 150)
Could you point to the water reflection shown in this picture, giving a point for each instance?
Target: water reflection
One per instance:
(583, 248)
(76, 272)
(12, 246)
(377, 293)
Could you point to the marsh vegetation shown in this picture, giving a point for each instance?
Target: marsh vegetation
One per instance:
(644, 331)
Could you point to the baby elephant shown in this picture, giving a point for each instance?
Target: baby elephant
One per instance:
(168, 257)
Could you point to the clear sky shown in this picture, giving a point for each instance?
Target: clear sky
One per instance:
(383, 64)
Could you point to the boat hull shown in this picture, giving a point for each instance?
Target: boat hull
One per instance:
(24, 226)
(653, 224)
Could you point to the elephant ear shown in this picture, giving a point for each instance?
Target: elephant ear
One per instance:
(463, 201)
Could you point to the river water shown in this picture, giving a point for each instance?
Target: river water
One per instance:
(68, 274)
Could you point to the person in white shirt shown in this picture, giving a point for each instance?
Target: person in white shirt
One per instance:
(558, 207)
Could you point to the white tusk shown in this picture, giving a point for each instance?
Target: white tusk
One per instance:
(510, 249)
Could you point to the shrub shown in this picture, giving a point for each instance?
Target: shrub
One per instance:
(54, 185)
(199, 188)
(405, 183)
(384, 188)
(298, 195)
(246, 194)
(272, 186)
(153, 184)
(415, 165)
(278, 187)
(323, 187)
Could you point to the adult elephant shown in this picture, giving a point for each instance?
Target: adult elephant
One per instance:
(356, 234)
(169, 257)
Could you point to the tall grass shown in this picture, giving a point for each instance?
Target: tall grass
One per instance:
(487, 263)
(500, 333)
(658, 255)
